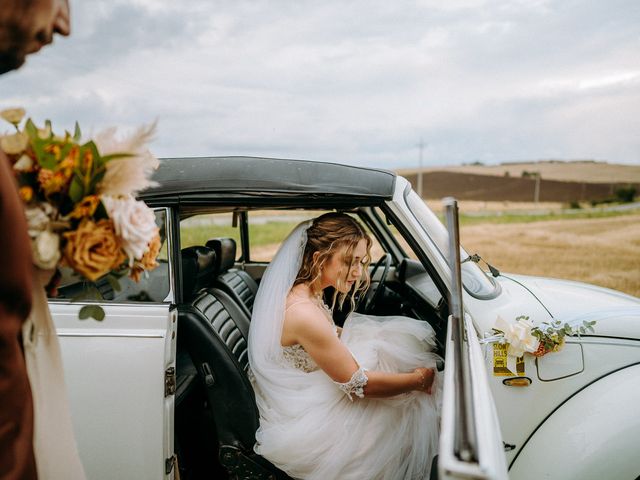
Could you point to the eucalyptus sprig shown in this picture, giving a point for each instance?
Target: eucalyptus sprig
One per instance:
(552, 334)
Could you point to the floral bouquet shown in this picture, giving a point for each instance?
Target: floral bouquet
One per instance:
(80, 201)
(522, 337)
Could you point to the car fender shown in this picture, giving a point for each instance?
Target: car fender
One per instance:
(592, 435)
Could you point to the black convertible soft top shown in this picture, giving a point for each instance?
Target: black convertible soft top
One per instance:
(202, 176)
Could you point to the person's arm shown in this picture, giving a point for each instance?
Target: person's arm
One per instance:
(306, 325)
(382, 384)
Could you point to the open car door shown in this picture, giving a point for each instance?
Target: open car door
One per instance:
(120, 372)
(470, 440)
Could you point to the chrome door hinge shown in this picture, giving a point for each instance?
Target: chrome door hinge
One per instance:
(169, 463)
(169, 381)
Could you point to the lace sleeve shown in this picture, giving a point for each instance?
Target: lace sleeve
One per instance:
(355, 385)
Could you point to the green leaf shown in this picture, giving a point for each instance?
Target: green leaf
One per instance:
(96, 179)
(77, 134)
(119, 273)
(66, 148)
(76, 190)
(116, 156)
(98, 162)
(45, 159)
(113, 281)
(31, 129)
(91, 311)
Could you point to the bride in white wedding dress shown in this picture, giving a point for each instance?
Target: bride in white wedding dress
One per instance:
(361, 402)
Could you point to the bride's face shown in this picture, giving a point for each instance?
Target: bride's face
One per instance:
(341, 271)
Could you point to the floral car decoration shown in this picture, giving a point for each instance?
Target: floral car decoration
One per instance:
(522, 337)
(80, 201)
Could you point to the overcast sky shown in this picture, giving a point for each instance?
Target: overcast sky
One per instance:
(358, 82)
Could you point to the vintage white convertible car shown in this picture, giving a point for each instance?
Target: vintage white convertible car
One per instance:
(160, 384)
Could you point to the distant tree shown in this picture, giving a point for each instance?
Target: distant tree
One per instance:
(626, 194)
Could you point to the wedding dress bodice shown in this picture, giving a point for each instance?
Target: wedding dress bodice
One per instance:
(297, 356)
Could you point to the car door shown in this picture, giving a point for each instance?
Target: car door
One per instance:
(470, 438)
(120, 372)
(470, 442)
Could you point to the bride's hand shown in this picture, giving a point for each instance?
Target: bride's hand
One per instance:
(425, 379)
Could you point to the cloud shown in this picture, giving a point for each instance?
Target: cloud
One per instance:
(358, 82)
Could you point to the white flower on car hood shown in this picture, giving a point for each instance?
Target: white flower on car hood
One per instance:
(518, 335)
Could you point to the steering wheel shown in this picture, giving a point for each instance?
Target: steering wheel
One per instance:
(375, 292)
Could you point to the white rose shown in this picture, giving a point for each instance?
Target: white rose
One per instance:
(38, 218)
(14, 144)
(13, 115)
(134, 223)
(518, 335)
(46, 250)
(25, 163)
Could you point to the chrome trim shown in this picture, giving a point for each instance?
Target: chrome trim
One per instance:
(106, 303)
(98, 334)
(465, 436)
(169, 236)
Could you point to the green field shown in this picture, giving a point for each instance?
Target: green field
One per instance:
(272, 232)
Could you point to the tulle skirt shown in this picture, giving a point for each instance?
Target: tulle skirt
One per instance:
(315, 432)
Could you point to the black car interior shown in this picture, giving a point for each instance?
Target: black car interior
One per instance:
(216, 412)
(214, 329)
(233, 281)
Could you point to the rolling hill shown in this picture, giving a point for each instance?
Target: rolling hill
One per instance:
(559, 181)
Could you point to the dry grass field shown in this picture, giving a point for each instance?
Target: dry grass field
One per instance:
(601, 251)
(595, 172)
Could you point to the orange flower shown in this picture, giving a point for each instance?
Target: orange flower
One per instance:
(26, 193)
(44, 176)
(70, 161)
(51, 182)
(87, 160)
(148, 260)
(93, 249)
(87, 207)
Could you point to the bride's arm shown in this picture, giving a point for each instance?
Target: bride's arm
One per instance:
(306, 325)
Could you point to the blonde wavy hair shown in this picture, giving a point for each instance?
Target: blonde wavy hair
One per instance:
(327, 234)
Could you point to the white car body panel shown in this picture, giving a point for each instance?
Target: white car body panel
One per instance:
(122, 420)
(593, 435)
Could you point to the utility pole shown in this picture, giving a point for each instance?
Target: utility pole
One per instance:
(421, 145)
(536, 191)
